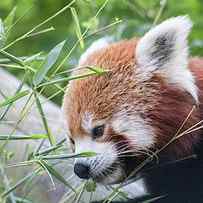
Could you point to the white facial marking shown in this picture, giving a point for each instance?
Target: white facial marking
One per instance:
(164, 49)
(106, 156)
(87, 120)
(98, 44)
(135, 129)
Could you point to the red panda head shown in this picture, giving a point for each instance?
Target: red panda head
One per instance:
(137, 106)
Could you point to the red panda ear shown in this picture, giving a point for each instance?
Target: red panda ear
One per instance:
(98, 44)
(164, 49)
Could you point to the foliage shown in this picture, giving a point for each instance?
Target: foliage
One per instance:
(41, 41)
(136, 16)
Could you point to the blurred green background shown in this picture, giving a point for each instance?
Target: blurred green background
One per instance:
(137, 17)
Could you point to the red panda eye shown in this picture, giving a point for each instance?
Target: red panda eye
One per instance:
(98, 131)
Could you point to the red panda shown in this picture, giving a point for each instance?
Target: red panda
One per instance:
(151, 92)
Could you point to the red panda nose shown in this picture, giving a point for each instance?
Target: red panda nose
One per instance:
(82, 170)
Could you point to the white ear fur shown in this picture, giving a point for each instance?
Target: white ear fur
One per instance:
(164, 49)
(98, 44)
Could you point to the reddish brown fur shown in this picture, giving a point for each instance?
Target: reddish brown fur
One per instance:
(163, 105)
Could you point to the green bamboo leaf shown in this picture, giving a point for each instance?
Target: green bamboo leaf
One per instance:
(22, 200)
(14, 98)
(42, 164)
(2, 34)
(78, 30)
(67, 79)
(12, 57)
(90, 186)
(61, 156)
(8, 22)
(23, 137)
(34, 34)
(51, 149)
(91, 24)
(39, 106)
(33, 57)
(87, 154)
(56, 174)
(68, 156)
(48, 64)
(23, 163)
(79, 195)
(97, 70)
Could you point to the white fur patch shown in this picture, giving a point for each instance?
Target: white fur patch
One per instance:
(136, 189)
(135, 129)
(106, 156)
(87, 144)
(87, 122)
(164, 50)
(98, 44)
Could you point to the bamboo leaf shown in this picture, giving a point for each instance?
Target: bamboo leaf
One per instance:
(39, 106)
(14, 98)
(92, 23)
(67, 79)
(68, 156)
(12, 57)
(22, 200)
(79, 196)
(2, 34)
(56, 174)
(23, 163)
(33, 57)
(87, 154)
(48, 64)
(51, 149)
(23, 137)
(90, 186)
(97, 70)
(78, 30)
(44, 166)
(41, 32)
(10, 18)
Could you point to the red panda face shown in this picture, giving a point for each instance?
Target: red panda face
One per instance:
(127, 113)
